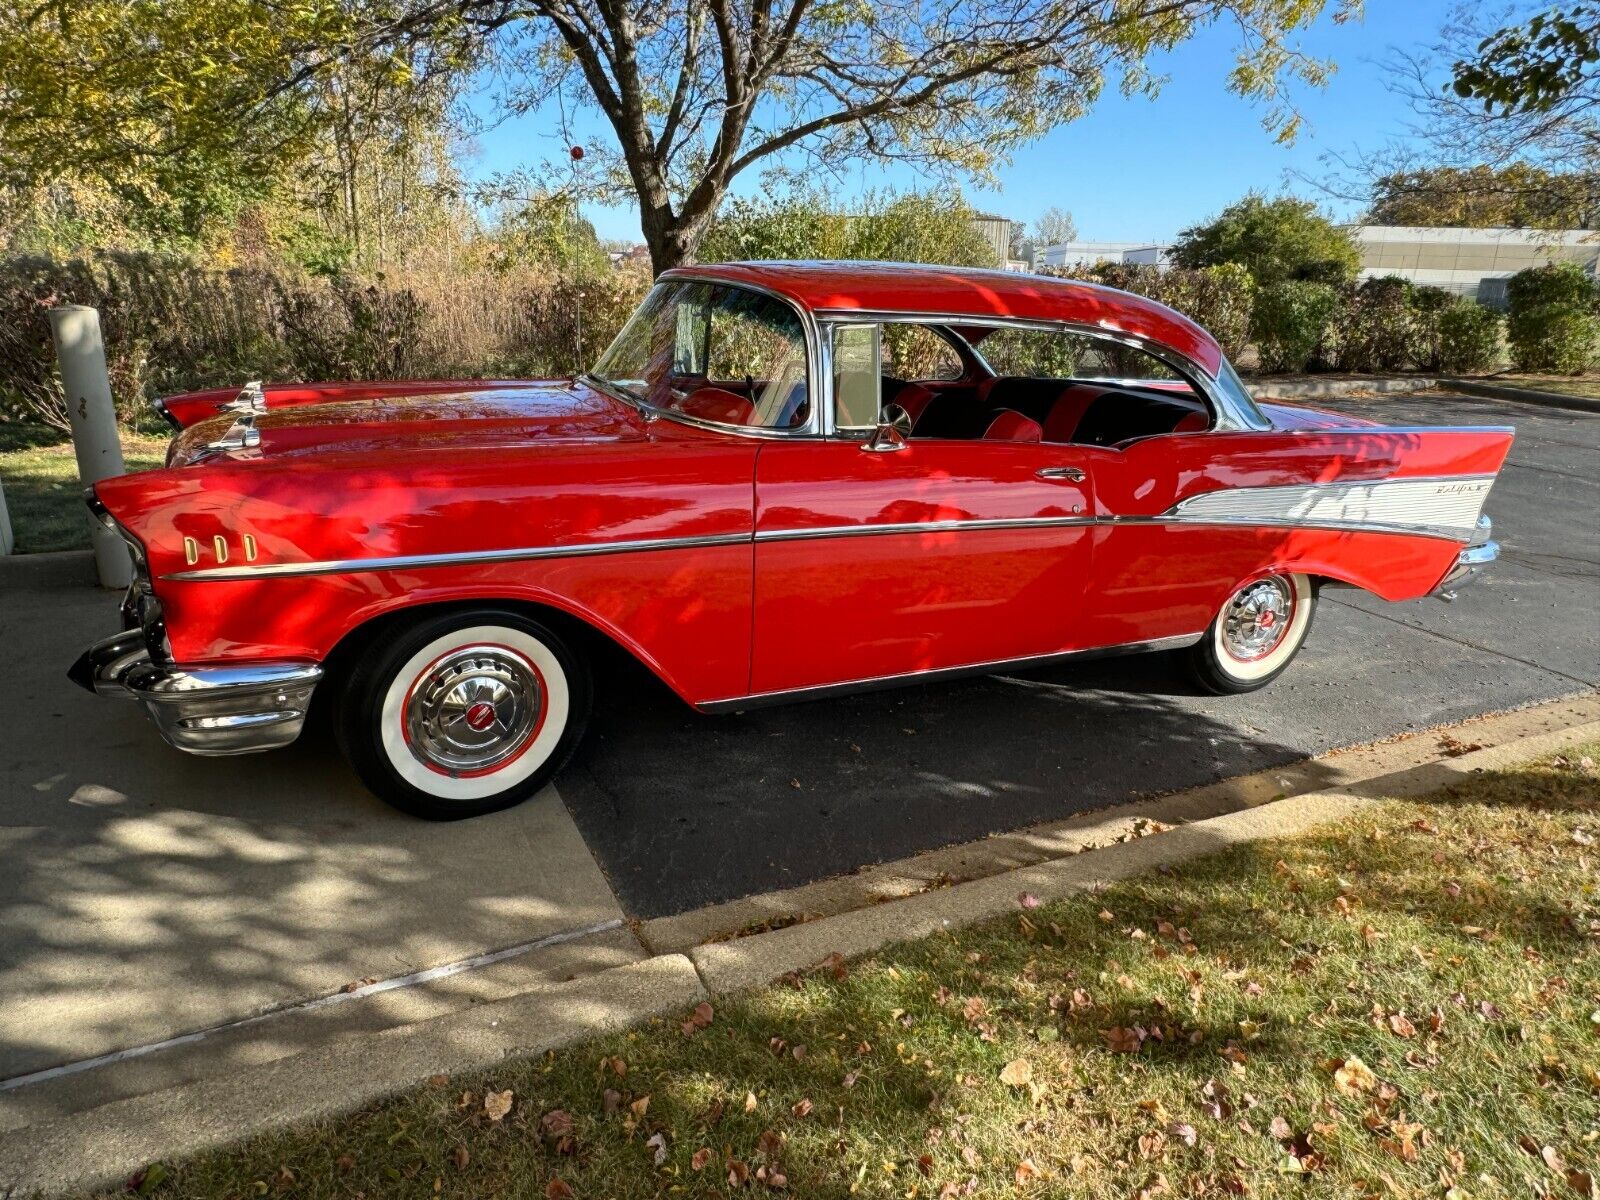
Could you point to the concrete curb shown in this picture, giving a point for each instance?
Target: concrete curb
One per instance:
(57, 568)
(103, 1146)
(1309, 389)
(1494, 391)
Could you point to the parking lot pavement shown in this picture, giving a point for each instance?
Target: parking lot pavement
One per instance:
(146, 893)
(684, 810)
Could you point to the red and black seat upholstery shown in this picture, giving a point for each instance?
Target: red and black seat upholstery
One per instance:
(914, 398)
(1121, 415)
(1061, 424)
(1011, 426)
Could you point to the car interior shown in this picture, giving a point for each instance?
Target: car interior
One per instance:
(974, 400)
(1082, 411)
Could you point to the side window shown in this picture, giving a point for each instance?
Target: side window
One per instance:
(915, 352)
(1061, 386)
(857, 376)
(1044, 354)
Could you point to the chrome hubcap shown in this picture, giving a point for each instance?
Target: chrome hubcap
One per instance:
(1257, 619)
(473, 709)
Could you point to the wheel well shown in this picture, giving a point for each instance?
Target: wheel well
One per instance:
(599, 647)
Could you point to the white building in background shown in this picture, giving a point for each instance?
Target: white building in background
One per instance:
(1088, 254)
(1470, 262)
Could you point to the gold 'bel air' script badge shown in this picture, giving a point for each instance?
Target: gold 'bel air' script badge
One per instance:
(219, 549)
(1460, 489)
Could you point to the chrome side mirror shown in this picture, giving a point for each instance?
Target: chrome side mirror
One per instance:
(894, 428)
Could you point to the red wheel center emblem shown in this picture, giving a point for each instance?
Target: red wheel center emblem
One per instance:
(1267, 621)
(480, 716)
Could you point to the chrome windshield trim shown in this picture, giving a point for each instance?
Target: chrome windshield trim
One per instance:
(617, 393)
(407, 562)
(821, 691)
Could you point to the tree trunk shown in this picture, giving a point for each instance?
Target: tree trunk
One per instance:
(664, 238)
(672, 237)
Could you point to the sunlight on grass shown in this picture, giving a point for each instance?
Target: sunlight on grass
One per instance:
(1586, 385)
(40, 478)
(1405, 1005)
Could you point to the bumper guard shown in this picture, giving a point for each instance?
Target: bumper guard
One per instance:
(204, 710)
(1469, 562)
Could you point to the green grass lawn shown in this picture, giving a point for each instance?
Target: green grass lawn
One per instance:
(1407, 1005)
(1571, 385)
(40, 478)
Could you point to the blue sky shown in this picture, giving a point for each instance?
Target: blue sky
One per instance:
(1137, 169)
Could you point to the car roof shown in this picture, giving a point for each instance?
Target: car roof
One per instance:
(968, 292)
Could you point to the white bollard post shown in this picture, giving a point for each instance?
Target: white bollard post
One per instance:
(8, 541)
(82, 356)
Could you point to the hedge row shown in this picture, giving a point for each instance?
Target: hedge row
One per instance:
(1384, 324)
(170, 326)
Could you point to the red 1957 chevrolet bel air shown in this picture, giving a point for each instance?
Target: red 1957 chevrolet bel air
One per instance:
(782, 480)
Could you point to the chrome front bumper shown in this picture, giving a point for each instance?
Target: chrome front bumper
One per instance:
(203, 710)
(1469, 562)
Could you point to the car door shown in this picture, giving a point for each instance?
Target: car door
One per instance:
(872, 563)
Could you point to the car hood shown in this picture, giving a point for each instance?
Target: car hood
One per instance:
(481, 418)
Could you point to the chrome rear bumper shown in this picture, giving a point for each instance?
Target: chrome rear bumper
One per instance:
(203, 710)
(1469, 562)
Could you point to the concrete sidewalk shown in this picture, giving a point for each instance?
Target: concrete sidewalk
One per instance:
(146, 894)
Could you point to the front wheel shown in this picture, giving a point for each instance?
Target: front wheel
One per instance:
(1256, 635)
(464, 713)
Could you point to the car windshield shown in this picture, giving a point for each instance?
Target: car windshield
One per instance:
(713, 352)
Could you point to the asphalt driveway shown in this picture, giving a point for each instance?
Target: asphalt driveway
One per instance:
(683, 810)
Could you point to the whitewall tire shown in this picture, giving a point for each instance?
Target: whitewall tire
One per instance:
(464, 713)
(1256, 634)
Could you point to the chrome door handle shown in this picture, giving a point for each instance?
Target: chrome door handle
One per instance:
(1071, 473)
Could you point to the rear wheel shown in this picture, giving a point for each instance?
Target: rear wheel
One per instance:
(464, 713)
(1256, 635)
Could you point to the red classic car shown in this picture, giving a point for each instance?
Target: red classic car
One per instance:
(782, 480)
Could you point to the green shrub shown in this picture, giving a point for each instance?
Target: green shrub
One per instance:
(1553, 337)
(1275, 240)
(1428, 305)
(1218, 298)
(1373, 328)
(1290, 320)
(1469, 338)
(1558, 283)
(1552, 326)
